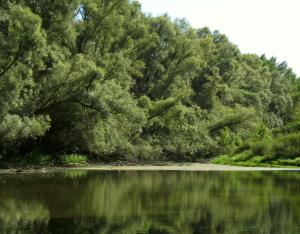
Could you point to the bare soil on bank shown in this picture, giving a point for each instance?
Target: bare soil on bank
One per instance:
(163, 167)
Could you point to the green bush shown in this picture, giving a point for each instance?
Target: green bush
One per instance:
(287, 146)
(37, 158)
(246, 145)
(283, 150)
(222, 159)
(257, 159)
(260, 148)
(73, 159)
(228, 159)
(289, 162)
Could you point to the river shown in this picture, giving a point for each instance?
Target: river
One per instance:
(158, 202)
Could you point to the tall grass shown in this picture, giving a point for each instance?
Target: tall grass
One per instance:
(73, 159)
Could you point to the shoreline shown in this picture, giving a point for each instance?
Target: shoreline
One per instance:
(149, 167)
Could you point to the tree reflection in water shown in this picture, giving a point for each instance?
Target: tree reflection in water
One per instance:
(150, 202)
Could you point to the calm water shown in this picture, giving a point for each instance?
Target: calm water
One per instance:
(150, 202)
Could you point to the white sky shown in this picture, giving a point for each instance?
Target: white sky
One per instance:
(270, 27)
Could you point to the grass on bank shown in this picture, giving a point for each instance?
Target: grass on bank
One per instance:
(73, 159)
(282, 151)
(257, 161)
(241, 159)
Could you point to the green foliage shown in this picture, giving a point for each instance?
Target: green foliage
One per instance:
(283, 150)
(286, 146)
(22, 44)
(103, 79)
(289, 162)
(37, 158)
(33, 158)
(72, 159)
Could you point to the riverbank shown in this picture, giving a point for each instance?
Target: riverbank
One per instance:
(163, 167)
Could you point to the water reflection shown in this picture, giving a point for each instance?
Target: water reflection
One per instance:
(151, 202)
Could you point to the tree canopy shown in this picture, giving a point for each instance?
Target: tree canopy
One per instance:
(99, 77)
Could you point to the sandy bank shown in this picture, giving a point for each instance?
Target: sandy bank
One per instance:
(166, 167)
(186, 167)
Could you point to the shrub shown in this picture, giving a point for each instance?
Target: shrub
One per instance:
(260, 147)
(289, 162)
(73, 159)
(37, 158)
(287, 146)
(222, 159)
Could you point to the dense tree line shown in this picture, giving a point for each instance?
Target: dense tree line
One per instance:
(99, 77)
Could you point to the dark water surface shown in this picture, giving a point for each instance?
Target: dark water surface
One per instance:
(77, 201)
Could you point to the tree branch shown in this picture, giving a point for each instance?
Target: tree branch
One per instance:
(17, 56)
(84, 40)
